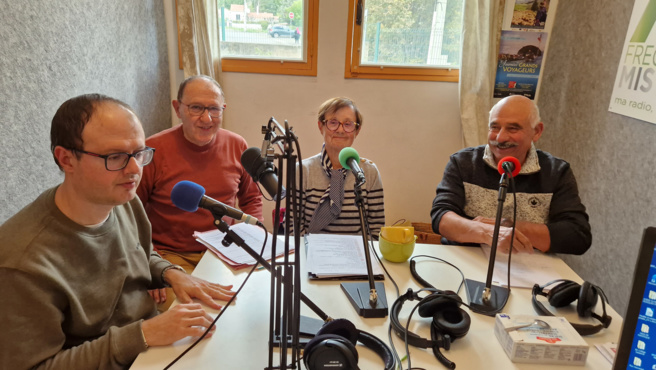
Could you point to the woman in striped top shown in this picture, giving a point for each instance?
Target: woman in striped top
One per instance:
(328, 189)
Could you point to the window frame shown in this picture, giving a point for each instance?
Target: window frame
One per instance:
(284, 67)
(353, 68)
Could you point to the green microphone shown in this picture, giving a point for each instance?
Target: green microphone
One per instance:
(349, 159)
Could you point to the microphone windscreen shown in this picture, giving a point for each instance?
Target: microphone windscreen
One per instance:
(515, 162)
(347, 153)
(251, 160)
(186, 195)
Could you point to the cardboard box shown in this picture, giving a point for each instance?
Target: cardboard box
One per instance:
(559, 343)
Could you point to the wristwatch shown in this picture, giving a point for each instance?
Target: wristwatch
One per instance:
(166, 284)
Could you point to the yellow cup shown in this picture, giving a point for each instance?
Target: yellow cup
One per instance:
(398, 234)
(396, 252)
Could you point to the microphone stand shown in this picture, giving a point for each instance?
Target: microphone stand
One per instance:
(375, 305)
(486, 298)
(285, 321)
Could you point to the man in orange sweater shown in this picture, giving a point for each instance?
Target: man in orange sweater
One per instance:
(197, 150)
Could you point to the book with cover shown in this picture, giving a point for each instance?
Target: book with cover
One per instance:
(332, 256)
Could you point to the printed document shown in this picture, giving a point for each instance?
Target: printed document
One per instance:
(331, 256)
(236, 256)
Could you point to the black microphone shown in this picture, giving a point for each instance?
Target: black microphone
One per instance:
(188, 196)
(349, 158)
(261, 171)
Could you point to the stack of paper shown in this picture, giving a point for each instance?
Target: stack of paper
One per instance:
(525, 269)
(331, 256)
(236, 257)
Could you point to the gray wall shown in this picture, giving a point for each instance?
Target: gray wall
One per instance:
(612, 155)
(53, 50)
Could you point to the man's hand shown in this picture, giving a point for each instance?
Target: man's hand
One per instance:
(521, 243)
(178, 322)
(187, 287)
(158, 295)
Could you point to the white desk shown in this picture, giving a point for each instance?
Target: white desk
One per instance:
(240, 341)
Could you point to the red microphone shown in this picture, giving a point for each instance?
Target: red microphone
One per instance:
(512, 165)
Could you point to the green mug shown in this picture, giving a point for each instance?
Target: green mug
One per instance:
(396, 252)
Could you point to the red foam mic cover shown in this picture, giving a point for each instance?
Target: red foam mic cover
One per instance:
(514, 161)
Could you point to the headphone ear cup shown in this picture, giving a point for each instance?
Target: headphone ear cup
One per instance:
(564, 294)
(341, 327)
(588, 298)
(438, 302)
(453, 321)
(336, 344)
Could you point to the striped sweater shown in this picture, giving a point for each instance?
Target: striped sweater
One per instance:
(315, 183)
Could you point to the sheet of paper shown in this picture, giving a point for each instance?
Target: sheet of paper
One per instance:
(252, 235)
(607, 350)
(331, 255)
(525, 269)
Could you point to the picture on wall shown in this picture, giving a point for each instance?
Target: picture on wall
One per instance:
(636, 72)
(530, 14)
(519, 63)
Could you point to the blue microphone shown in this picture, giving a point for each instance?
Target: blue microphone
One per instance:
(188, 196)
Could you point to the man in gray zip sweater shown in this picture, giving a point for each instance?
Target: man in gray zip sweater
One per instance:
(550, 215)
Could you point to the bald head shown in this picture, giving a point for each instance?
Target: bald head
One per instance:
(198, 78)
(521, 105)
(514, 126)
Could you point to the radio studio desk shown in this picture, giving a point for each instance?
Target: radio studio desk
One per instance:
(240, 340)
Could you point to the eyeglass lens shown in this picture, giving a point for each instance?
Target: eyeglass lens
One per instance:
(198, 110)
(119, 161)
(333, 125)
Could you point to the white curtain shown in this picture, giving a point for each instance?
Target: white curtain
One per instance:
(481, 33)
(199, 37)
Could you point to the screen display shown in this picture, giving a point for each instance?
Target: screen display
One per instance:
(643, 349)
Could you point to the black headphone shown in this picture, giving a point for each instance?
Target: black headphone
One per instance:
(334, 347)
(450, 322)
(569, 291)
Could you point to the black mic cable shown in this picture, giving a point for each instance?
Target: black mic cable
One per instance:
(266, 236)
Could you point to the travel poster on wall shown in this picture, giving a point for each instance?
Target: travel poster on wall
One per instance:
(530, 14)
(633, 92)
(519, 62)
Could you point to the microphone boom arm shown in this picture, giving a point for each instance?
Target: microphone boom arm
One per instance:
(233, 237)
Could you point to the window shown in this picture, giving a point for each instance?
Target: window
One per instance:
(269, 36)
(404, 39)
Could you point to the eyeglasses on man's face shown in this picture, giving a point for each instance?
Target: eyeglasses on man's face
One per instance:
(333, 125)
(118, 161)
(199, 110)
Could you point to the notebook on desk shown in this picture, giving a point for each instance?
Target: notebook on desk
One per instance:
(637, 346)
(338, 257)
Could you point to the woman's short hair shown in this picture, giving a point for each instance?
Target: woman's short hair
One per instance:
(335, 104)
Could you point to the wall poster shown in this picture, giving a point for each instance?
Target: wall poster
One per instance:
(633, 94)
(518, 63)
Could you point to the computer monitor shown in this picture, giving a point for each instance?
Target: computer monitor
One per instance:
(637, 346)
